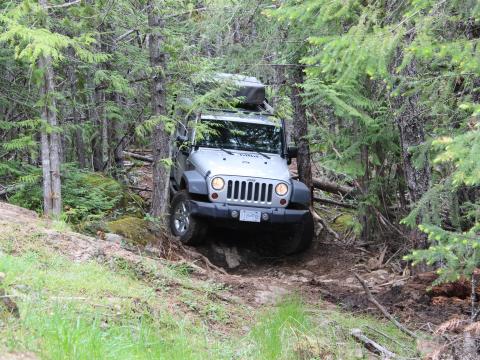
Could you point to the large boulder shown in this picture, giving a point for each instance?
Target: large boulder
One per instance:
(136, 231)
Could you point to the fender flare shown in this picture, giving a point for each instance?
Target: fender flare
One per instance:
(301, 194)
(195, 183)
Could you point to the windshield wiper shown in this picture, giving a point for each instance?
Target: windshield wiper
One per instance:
(228, 152)
(264, 155)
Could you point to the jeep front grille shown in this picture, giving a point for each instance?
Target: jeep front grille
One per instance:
(249, 191)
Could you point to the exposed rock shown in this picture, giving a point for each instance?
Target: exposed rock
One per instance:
(111, 237)
(232, 257)
(224, 255)
(350, 280)
(271, 295)
(313, 262)
(153, 250)
(306, 273)
(296, 278)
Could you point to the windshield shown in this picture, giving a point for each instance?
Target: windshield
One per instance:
(241, 136)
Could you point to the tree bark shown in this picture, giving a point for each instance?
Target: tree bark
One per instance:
(78, 135)
(300, 128)
(118, 141)
(50, 140)
(97, 112)
(46, 171)
(160, 137)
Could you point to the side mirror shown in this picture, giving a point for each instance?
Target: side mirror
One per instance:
(292, 152)
(181, 139)
(182, 143)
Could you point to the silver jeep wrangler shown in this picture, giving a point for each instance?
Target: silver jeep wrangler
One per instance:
(236, 175)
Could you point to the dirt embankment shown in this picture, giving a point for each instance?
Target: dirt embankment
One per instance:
(324, 275)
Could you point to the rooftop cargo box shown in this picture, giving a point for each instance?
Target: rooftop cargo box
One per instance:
(250, 89)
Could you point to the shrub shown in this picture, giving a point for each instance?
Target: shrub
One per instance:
(86, 196)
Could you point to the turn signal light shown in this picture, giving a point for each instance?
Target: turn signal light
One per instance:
(283, 201)
(214, 196)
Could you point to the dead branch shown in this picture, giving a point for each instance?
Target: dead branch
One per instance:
(208, 263)
(385, 336)
(64, 5)
(324, 224)
(139, 189)
(382, 309)
(138, 156)
(8, 189)
(333, 202)
(371, 345)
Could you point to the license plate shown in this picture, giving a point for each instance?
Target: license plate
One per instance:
(250, 216)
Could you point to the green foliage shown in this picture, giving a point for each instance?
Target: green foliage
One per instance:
(86, 196)
(275, 327)
(455, 250)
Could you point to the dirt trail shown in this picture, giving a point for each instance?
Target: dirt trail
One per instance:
(322, 276)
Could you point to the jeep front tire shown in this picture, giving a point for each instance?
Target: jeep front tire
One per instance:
(299, 238)
(189, 229)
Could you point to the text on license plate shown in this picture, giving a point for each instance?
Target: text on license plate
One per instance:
(251, 216)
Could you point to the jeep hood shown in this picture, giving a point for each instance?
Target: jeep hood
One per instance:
(240, 163)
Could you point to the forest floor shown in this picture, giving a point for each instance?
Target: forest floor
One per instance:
(83, 297)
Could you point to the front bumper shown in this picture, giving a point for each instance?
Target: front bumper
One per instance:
(224, 211)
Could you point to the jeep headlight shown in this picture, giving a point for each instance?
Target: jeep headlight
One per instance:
(218, 183)
(281, 189)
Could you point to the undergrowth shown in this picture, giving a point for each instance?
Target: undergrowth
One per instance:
(108, 310)
(87, 197)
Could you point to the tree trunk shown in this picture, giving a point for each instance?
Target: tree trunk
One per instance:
(97, 112)
(412, 134)
(46, 171)
(78, 135)
(160, 138)
(50, 143)
(300, 128)
(117, 141)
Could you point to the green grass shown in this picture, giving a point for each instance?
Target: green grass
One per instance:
(118, 311)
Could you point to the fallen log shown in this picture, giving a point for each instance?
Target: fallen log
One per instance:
(140, 189)
(331, 187)
(327, 185)
(138, 156)
(7, 190)
(371, 345)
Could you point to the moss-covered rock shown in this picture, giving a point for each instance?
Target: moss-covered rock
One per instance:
(345, 223)
(133, 204)
(135, 230)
